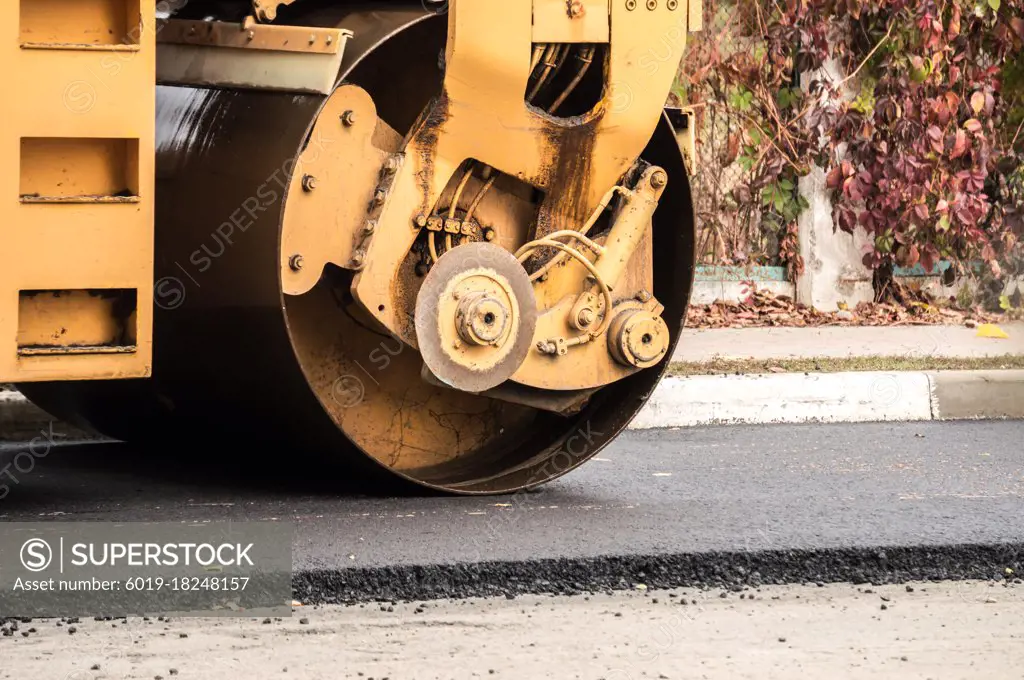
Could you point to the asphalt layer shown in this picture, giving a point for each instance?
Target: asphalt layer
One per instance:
(728, 506)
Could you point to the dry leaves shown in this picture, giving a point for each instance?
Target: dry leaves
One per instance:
(764, 308)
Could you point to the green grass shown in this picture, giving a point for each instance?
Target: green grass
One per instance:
(735, 366)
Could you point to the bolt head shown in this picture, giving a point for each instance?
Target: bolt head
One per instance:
(308, 183)
(659, 179)
(348, 119)
(295, 263)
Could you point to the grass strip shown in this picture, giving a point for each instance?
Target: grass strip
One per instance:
(719, 366)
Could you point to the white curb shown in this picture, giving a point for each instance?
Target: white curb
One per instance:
(853, 397)
(788, 398)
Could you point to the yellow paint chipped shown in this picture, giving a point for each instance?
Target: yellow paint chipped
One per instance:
(662, 474)
(503, 505)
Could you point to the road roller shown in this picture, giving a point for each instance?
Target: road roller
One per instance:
(445, 245)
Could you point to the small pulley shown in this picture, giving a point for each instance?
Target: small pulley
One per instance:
(475, 317)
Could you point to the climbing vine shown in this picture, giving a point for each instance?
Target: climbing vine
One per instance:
(914, 110)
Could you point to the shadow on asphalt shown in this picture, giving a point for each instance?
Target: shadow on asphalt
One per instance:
(116, 472)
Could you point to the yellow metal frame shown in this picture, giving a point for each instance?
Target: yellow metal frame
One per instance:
(483, 115)
(79, 90)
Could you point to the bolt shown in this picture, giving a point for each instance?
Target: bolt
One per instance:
(348, 119)
(456, 345)
(391, 166)
(250, 36)
(585, 317)
(358, 259)
(643, 296)
(370, 227)
(379, 197)
(312, 39)
(659, 179)
(490, 234)
(421, 221)
(330, 38)
(576, 9)
(295, 263)
(308, 183)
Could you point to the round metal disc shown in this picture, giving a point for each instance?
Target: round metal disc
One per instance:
(466, 368)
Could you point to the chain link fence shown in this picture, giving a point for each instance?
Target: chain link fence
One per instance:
(731, 230)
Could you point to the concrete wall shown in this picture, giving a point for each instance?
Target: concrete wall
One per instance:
(833, 271)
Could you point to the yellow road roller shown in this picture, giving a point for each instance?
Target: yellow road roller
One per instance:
(448, 244)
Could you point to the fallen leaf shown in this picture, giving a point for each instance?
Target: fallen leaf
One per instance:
(990, 330)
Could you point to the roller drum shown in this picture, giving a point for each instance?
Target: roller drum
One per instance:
(237, 361)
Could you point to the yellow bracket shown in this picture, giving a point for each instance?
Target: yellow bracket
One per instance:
(482, 114)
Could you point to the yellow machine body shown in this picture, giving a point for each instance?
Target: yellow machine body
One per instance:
(77, 189)
(452, 237)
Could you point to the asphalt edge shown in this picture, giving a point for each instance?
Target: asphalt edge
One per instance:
(730, 571)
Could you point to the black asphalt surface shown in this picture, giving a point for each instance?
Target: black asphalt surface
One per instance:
(717, 505)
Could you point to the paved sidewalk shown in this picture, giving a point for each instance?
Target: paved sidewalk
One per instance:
(840, 342)
(842, 632)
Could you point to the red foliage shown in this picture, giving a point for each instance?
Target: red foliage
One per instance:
(915, 139)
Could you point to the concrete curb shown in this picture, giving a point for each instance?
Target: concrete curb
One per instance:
(834, 398)
(853, 397)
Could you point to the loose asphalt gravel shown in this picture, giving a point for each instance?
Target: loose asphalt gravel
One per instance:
(963, 630)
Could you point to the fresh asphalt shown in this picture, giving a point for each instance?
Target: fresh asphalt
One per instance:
(717, 505)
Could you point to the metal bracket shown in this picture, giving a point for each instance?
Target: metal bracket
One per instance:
(249, 55)
(253, 36)
(684, 121)
(266, 10)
